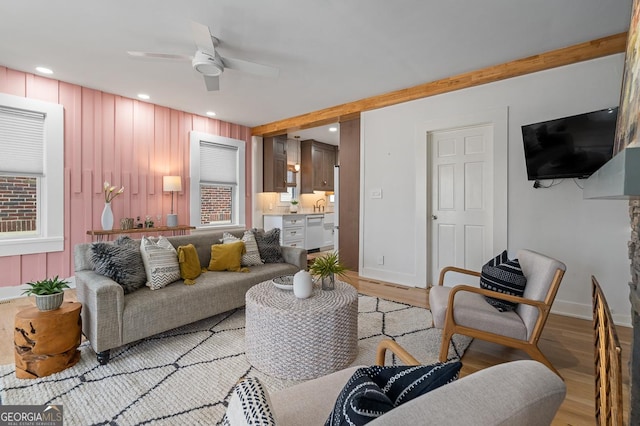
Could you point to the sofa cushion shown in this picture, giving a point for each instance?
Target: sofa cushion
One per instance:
(373, 391)
(269, 245)
(252, 255)
(249, 405)
(121, 261)
(160, 262)
(503, 276)
(190, 268)
(226, 257)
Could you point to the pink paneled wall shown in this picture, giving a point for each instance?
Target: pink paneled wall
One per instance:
(121, 140)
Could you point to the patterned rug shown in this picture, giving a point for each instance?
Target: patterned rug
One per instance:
(184, 376)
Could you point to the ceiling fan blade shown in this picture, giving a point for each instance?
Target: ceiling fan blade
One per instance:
(159, 55)
(250, 67)
(212, 83)
(202, 37)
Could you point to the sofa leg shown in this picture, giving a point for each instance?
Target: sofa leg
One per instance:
(103, 357)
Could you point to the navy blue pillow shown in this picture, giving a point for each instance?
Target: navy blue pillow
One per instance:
(504, 276)
(373, 391)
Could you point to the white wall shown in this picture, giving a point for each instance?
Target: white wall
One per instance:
(590, 236)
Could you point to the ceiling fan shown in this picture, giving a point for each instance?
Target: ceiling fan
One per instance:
(208, 62)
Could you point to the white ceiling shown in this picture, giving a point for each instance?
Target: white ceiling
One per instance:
(328, 51)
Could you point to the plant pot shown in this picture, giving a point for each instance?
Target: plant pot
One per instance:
(329, 282)
(49, 302)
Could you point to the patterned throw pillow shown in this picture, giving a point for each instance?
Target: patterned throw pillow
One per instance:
(121, 261)
(504, 276)
(249, 405)
(373, 391)
(269, 245)
(252, 255)
(160, 262)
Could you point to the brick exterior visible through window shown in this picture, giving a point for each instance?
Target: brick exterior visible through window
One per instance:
(18, 204)
(215, 204)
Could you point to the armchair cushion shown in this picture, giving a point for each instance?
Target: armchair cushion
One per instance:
(503, 276)
(373, 391)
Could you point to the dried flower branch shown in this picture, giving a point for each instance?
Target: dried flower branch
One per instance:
(109, 193)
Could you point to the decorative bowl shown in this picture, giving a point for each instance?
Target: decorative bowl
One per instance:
(284, 282)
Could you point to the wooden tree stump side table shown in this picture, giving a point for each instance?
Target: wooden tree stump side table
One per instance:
(46, 342)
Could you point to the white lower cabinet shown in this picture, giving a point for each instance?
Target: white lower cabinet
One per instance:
(291, 228)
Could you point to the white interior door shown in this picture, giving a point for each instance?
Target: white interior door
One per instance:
(461, 217)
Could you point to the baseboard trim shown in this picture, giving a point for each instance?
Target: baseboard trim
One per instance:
(582, 311)
(14, 292)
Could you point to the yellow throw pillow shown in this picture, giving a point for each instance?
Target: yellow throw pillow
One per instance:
(226, 257)
(189, 263)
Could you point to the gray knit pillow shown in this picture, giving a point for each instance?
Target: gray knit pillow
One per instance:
(121, 261)
(269, 245)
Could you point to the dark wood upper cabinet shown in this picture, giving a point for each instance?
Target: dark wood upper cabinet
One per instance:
(274, 156)
(316, 164)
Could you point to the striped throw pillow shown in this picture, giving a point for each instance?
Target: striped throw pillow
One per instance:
(503, 276)
(160, 260)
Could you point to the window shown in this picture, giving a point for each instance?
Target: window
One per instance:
(31, 176)
(217, 181)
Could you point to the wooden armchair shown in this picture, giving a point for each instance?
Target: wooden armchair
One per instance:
(607, 361)
(463, 309)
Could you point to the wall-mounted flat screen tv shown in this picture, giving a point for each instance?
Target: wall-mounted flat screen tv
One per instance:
(569, 147)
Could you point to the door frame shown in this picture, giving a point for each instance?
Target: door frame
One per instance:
(498, 118)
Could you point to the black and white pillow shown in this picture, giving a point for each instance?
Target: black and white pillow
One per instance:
(373, 391)
(249, 405)
(269, 245)
(503, 276)
(121, 261)
(160, 260)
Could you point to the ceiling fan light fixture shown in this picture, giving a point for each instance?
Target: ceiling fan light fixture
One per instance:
(206, 64)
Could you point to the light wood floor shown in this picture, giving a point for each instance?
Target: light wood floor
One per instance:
(567, 342)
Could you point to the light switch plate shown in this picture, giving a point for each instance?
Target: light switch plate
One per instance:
(376, 193)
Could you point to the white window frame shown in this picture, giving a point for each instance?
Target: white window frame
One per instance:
(50, 235)
(238, 194)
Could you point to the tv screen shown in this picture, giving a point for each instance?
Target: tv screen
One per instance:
(569, 147)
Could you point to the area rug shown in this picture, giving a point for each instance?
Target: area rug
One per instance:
(185, 376)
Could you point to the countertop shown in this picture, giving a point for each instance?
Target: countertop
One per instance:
(295, 214)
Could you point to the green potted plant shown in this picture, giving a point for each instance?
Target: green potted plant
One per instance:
(294, 206)
(326, 267)
(49, 293)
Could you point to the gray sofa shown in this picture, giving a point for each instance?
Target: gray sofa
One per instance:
(111, 319)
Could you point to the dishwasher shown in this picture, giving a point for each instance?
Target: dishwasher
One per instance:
(314, 232)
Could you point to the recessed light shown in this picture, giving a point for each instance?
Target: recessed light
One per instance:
(44, 70)
(143, 96)
(333, 129)
(211, 113)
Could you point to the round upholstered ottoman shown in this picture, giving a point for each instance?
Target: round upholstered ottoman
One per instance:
(301, 339)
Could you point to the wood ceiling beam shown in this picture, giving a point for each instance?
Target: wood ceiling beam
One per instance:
(556, 58)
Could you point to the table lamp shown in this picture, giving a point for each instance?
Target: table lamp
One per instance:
(172, 183)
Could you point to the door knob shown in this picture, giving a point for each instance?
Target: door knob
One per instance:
(434, 217)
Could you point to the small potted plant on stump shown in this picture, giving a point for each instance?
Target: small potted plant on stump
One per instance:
(49, 293)
(326, 267)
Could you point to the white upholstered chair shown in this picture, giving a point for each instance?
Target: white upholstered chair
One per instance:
(462, 309)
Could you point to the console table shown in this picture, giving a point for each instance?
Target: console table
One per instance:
(100, 235)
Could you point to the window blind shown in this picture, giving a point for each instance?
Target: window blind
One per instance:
(21, 142)
(218, 163)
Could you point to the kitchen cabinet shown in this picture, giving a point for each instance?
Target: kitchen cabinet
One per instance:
(317, 162)
(292, 228)
(274, 164)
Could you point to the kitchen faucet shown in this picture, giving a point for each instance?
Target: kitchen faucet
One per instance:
(317, 206)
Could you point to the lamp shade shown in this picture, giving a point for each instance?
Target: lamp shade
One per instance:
(171, 183)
